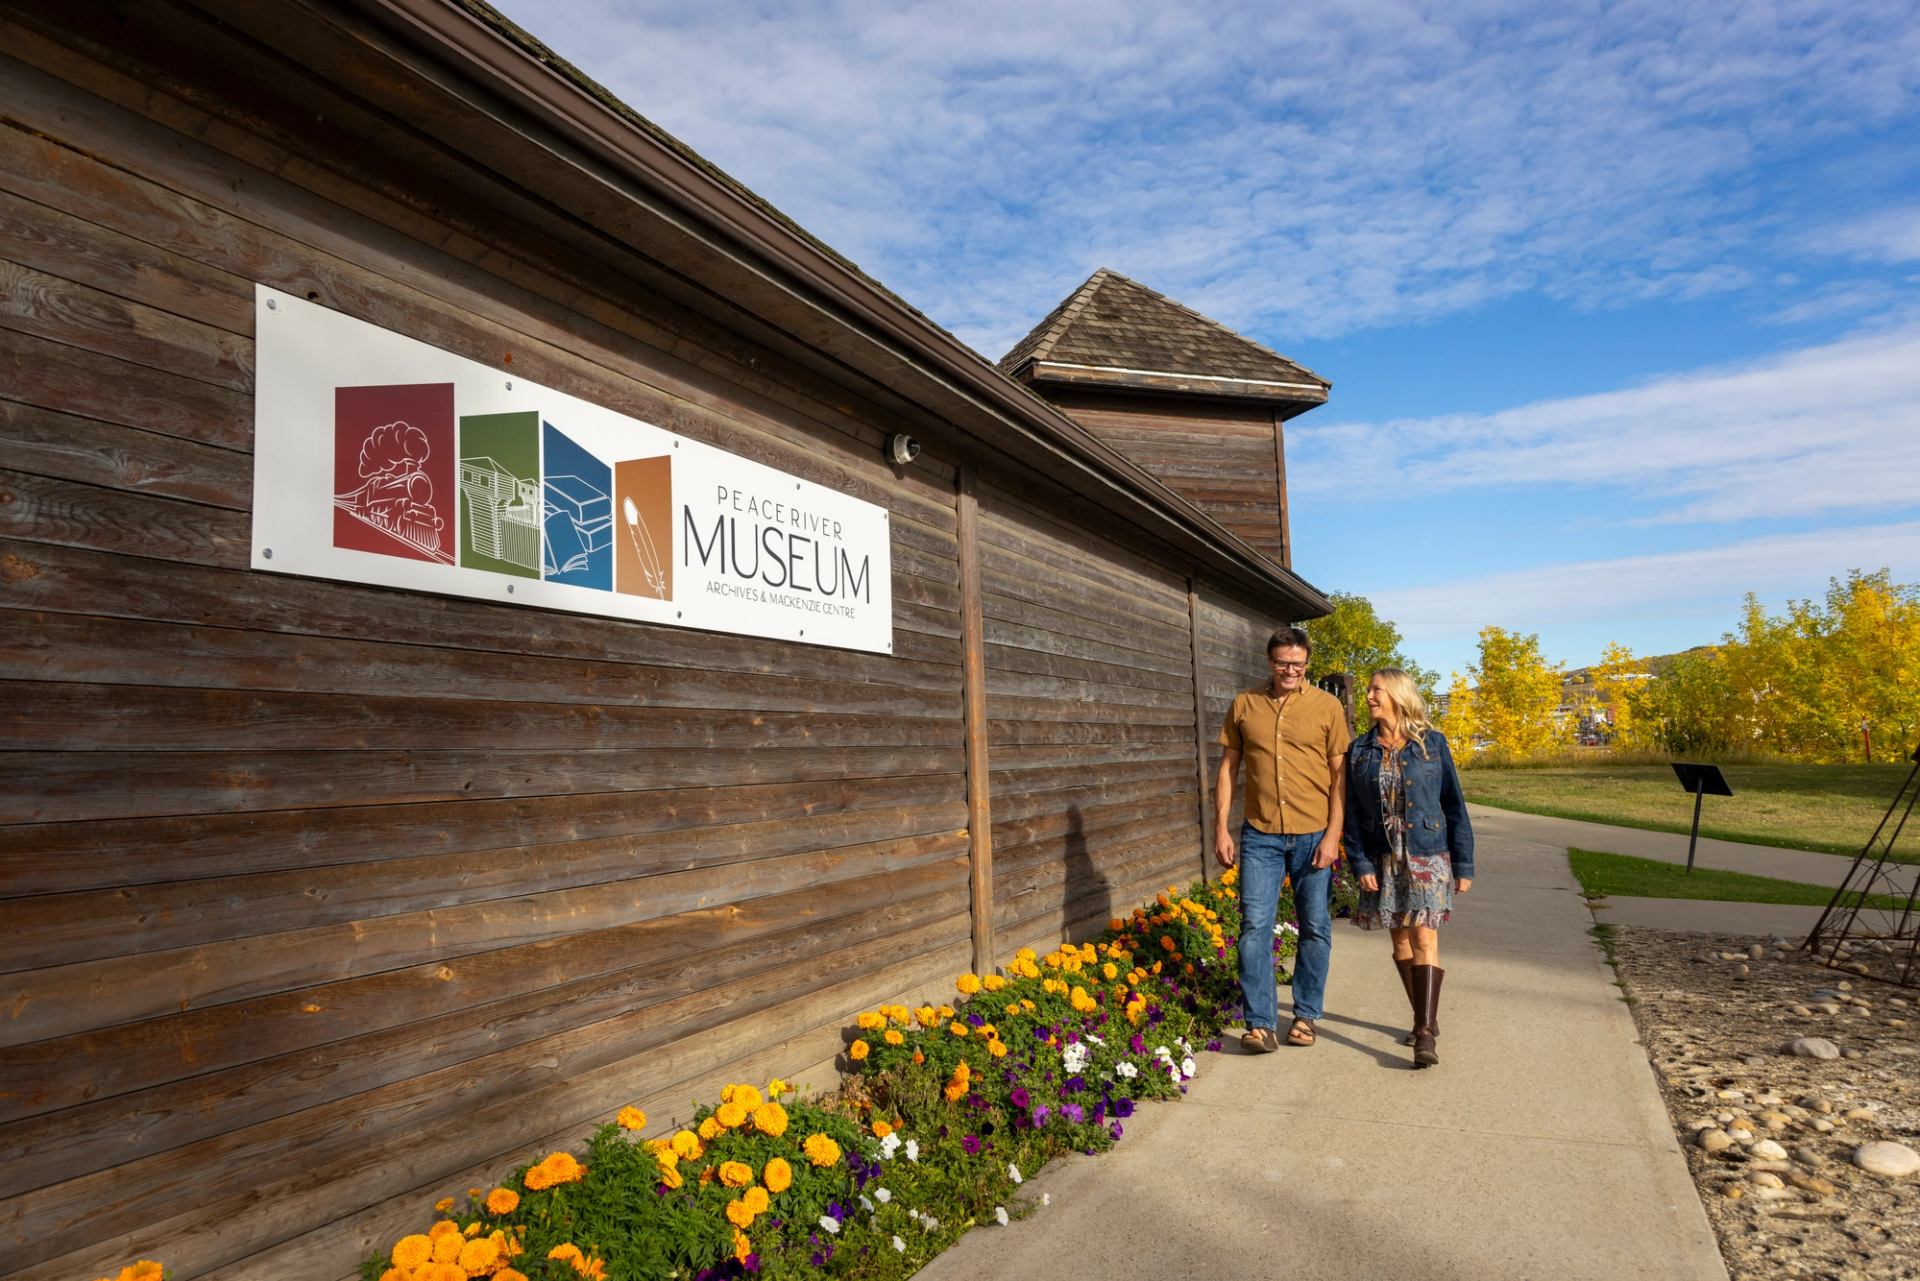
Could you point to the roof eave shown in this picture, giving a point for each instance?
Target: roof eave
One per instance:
(887, 341)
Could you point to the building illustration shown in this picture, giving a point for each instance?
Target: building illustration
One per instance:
(503, 513)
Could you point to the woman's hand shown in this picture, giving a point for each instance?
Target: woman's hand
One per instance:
(1371, 884)
(1462, 885)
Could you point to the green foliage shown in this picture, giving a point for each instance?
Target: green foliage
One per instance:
(1356, 640)
(1601, 875)
(1515, 694)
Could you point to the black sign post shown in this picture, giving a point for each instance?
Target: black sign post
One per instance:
(1700, 780)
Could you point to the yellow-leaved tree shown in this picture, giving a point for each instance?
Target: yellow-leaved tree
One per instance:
(1615, 677)
(1516, 692)
(1459, 722)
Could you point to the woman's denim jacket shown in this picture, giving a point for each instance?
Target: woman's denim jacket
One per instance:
(1436, 811)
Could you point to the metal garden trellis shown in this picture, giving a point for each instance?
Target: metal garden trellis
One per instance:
(1871, 927)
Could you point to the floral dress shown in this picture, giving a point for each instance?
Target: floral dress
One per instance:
(1415, 889)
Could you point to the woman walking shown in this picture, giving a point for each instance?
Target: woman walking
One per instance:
(1409, 841)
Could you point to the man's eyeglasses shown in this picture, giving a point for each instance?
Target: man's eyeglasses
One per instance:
(1279, 666)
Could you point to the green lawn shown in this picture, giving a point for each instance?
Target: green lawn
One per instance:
(1829, 808)
(1622, 874)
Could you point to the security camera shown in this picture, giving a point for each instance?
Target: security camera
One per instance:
(902, 448)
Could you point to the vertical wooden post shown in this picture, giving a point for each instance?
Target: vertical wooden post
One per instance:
(1280, 485)
(973, 683)
(1199, 722)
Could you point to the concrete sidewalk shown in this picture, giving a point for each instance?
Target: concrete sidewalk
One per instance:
(1539, 1148)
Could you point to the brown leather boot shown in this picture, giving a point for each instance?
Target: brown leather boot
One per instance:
(1426, 995)
(1405, 966)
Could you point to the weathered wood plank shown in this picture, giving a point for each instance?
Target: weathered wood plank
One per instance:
(77, 581)
(44, 442)
(72, 515)
(55, 857)
(81, 925)
(56, 1146)
(974, 697)
(66, 717)
(53, 376)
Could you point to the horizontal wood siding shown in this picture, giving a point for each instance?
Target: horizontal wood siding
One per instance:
(1233, 642)
(1090, 706)
(1219, 455)
(313, 909)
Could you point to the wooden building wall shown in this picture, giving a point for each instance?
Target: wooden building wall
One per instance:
(319, 901)
(1225, 457)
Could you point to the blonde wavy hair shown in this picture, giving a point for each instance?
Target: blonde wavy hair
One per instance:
(1408, 706)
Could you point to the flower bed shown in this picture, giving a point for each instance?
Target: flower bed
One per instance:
(945, 1109)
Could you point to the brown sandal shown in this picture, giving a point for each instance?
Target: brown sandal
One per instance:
(1260, 1040)
(1301, 1034)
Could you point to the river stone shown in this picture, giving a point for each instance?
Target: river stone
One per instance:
(1813, 1047)
(1714, 1141)
(1894, 1160)
(1765, 1179)
(1812, 1183)
(1859, 1114)
(1767, 1150)
(1758, 952)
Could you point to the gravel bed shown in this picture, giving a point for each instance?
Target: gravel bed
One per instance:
(1783, 1141)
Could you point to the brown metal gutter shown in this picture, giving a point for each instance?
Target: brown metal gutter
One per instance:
(950, 378)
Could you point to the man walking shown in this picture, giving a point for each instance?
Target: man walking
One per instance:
(1294, 740)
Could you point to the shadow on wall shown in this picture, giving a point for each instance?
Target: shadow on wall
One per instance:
(1085, 894)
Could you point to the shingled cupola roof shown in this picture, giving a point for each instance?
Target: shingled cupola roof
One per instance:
(1116, 332)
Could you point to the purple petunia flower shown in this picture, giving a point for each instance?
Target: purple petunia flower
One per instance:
(1138, 1044)
(1074, 1113)
(1040, 1115)
(972, 1144)
(1116, 1129)
(1019, 1098)
(1073, 1085)
(1123, 1108)
(977, 1020)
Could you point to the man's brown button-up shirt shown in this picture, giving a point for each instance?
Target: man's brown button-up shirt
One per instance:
(1287, 747)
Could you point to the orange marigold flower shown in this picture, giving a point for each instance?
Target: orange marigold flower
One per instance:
(993, 982)
(956, 1091)
(997, 1048)
(567, 1252)
(745, 1095)
(441, 1229)
(711, 1129)
(687, 1145)
(757, 1199)
(446, 1247)
(480, 1256)
(770, 1119)
(926, 1016)
(967, 984)
(958, 1028)
(631, 1118)
(736, 1174)
(892, 1037)
(881, 1129)
(919, 1057)
(869, 1021)
(739, 1213)
(858, 1051)
(440, 1270)
(742, 1247)
(473, 1229)
(391, 1274)
(412, 1251)
(1166, 942)
(778, 1176)
(670, 1177)
(821, 1150)
(731, 1114)
(443, 1205)
(509, 1274)
(502, 1201)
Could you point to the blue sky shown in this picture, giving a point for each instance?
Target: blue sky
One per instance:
(1621, 302)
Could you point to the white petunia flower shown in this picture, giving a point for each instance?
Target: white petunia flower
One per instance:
(1127, 1070)
(928, 1222)
(1046, 1198)
(888, 1146)
(882, 1195)
(1013, 1172)
(828, 1222)
(1188, 1067)
(899, 1245)
(866, 1204)
(1096, 1040)
(1000, 1215)
(913, 1149)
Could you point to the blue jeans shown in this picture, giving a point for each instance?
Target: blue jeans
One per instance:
(1264, 860)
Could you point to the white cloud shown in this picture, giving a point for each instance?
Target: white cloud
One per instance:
(1890, 235)
(1300, 172)
(1707, 582)
(1826, 429)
